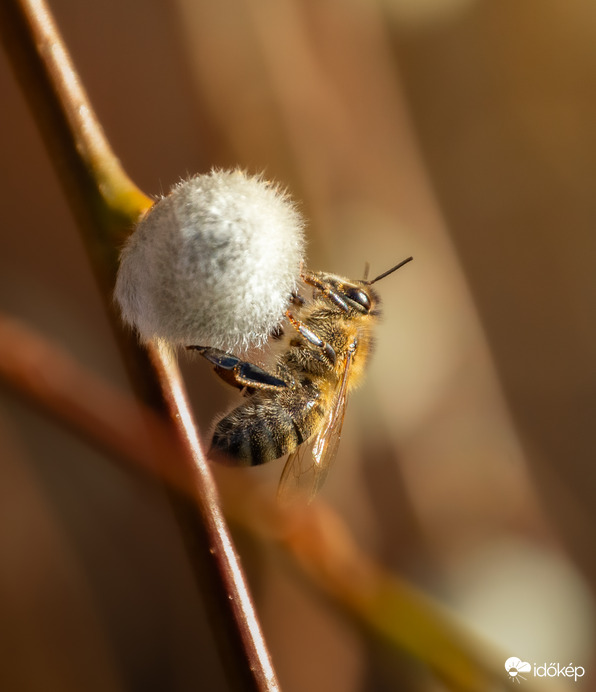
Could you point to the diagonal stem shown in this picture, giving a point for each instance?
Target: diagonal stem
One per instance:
(106, 204)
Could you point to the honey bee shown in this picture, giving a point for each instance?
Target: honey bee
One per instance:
(298, 409)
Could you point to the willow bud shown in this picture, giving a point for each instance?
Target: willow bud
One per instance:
(213, 263)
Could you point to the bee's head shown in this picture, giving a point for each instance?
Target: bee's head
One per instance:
(356, 295)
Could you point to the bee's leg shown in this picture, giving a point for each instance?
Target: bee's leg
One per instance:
(296, 299)
(325, 289)
(277, 332)
(312, 338)
(239, 373)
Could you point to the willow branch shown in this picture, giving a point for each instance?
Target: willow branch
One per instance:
(106, 204)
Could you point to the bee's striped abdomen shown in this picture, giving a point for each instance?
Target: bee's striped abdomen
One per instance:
(256, 432)
(264, 429)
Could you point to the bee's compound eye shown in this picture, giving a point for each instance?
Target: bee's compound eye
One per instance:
(358, 296)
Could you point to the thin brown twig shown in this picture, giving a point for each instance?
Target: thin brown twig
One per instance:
(227, 582)
(106, 204)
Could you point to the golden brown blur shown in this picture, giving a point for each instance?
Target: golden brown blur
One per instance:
(462, 132)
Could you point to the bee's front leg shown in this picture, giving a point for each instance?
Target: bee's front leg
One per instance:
(295, 299)
(238, 373)
(327, 290)
(312, 338)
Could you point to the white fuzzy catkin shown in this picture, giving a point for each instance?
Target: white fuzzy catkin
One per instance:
(213, 263)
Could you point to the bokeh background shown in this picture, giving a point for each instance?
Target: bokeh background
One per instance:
(462, 132)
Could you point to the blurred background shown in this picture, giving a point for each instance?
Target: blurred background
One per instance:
(461, 132)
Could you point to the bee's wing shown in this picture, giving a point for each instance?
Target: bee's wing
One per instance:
(307, 467)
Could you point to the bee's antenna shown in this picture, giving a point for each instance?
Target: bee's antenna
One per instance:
(366, 270)
(389, 271)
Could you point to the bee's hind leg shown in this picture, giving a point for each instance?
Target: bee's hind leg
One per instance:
(238, 373)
